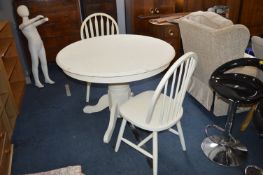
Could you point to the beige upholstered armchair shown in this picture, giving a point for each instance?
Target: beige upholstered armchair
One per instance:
(216, 40)
(257, 46)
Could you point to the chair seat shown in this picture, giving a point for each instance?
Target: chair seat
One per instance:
(135, 111)
(240, 88)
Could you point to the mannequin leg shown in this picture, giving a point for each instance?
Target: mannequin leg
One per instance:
(35, 63)
(43, 61)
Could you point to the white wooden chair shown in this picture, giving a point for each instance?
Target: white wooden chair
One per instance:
(94, 25)
(161, 109)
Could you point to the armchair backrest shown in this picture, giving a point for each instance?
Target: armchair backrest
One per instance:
(214, 46)
(215, 40)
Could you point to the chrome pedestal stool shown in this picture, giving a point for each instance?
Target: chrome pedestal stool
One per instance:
(236, 89)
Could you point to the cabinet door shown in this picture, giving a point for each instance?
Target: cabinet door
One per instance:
(195, 5)
(164, 6)
(95, 6)
(136, 11)
(251, 15)
(141, 7)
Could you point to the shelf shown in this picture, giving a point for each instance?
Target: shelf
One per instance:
(4, 97)
(11, 52)
(2, 125)
(19, 88)
(2, 25)
(1, 110)
(12, 122)
(7, 160)
(2, 145)
(9, 63)
(6, 31)
(4, 92)
(6, 124)
(5, 44)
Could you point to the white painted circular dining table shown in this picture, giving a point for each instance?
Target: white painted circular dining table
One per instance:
(115, 60)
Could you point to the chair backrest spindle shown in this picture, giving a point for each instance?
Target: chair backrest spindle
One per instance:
(108, 26)
(86, 31)
(102, 26)
(172, 89)
(98, 24)
(91, 29)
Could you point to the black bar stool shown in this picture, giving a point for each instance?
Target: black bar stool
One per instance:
(236, 89)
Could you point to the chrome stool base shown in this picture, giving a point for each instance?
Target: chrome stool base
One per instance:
(223, 152)
(253, 170)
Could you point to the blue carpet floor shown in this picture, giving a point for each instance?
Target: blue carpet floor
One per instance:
(52, 132)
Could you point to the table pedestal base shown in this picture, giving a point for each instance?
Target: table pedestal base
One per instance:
(117, 94)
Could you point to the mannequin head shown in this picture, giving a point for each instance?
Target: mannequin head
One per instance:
(22, 11)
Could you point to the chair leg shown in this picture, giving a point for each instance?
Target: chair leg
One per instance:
(181, 135)
(122, 128)
(155, 153)
(88, 92)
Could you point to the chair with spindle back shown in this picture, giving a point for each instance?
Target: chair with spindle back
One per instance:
(97, 24)
(159, 110)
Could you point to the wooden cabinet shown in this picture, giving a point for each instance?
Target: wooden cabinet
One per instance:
(12, 66)
(11, 91)
(138, 13)
(169, 33)
(94, 6)
(62, 28)
(195, 5)
(6, 153)
(251, 15)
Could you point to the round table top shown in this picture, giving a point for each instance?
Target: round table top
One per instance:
(115, 58)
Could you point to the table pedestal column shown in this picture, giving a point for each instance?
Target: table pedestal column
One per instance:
(117, 94)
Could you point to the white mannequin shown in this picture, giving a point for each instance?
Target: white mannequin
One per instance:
(35, 44)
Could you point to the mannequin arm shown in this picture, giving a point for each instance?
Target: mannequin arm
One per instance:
(32, 21)
(41, 21)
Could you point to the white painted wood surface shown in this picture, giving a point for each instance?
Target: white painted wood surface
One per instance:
(115, 60)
